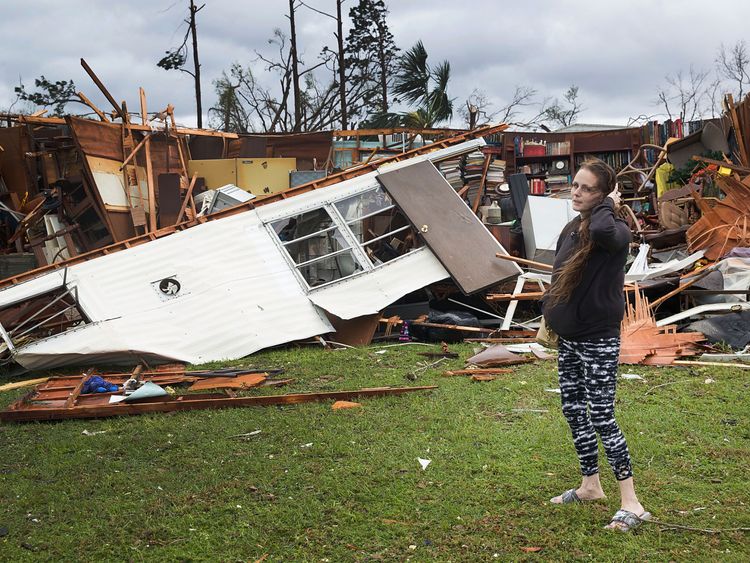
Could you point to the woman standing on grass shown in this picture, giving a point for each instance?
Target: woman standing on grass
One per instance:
(585, 306)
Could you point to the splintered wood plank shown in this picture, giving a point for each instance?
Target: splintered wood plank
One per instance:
(20, 412)
(478, 371)
(239, 382)
(454, 234)
(21, 384)
(483, 378)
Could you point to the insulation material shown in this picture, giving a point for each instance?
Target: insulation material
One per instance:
(110, 181)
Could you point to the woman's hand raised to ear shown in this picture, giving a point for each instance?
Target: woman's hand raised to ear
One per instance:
(615, 195)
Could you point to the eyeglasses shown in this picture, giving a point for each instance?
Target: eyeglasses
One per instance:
(584, 189)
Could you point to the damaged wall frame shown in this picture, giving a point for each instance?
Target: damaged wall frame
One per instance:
(235, 285)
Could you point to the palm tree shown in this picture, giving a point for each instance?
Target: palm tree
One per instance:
(418, 83)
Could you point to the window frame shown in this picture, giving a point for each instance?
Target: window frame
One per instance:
(343, 225)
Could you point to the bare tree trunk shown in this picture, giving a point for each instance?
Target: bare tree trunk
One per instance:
(197, 73)
(383, 76)
(342, 63)
(472, 110)
(295, 70)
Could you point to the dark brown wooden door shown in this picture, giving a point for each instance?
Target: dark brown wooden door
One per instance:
(454, 234)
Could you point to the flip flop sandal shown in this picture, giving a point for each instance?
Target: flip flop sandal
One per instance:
(626, 521)
(570, 497)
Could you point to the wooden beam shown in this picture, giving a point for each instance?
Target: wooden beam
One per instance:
(134, 126)
(395, 130)
(103, 90)
(523, 261)
(183, 163)
(21, 384)
(463, 190)
(73, 397)
(679, 288)
(528, 296)
(134, 151)
(721, 163)
(91, 104)
(480, 191)
(151, 189)
(144, 113)
(188, 197)
(452, 327)
(710, 364)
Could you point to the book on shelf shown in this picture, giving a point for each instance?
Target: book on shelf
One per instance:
(655, 133)
(529, 148)
(558, 179)
(616, 159)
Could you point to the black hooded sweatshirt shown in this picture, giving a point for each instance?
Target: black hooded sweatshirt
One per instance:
(597, 305)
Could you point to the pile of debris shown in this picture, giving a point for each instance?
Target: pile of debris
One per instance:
(142, 265)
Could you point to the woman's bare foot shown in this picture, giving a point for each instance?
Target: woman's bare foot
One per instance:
(590, 489)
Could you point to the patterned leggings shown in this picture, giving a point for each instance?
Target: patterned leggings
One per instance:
(588, 372)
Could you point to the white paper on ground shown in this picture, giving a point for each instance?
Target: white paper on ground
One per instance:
(424, 462)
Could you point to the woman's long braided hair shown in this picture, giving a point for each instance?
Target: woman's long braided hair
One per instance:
(571, 273)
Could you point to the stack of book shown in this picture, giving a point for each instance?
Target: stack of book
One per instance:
(557, 180)
(473, 167)
(473, 173)
(496, 172)
(451, 171)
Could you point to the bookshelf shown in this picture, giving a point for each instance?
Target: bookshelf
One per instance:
(553, 158)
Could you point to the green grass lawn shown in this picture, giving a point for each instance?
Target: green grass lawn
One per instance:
(323, 485)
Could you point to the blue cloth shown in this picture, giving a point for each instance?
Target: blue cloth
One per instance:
(96, 384)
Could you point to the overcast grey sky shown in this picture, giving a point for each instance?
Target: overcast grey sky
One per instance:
(616, 52)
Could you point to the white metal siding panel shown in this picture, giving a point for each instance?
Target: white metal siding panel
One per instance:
(367, 294)
(238, 296)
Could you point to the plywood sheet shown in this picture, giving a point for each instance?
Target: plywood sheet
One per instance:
(457, 237)
(217, 173)
(97, 139)
(264, 176)
(15, 144)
